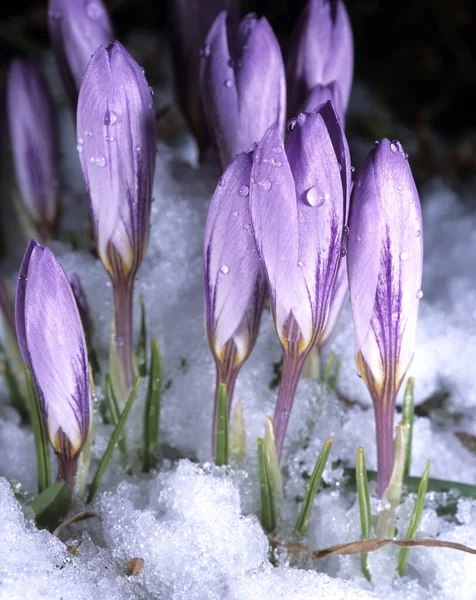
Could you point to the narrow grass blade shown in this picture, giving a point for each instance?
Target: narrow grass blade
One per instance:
(113, 407)
(238, 435)
(43, 468)
(364, 505)
(274, 471)
(328, 367)
(267, 514)
(408, 414)
(51, 505)
(385, 527)
(335, 377)
(152, 408)
(312, 486)
(116, 434)
(13, 386)
(415, 519)
(141, 347)
(221, 454)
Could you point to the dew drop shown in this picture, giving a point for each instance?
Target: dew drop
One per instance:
(419, 294)
(100, 161)
(205, 51)
(404, 256)
(257, 156)
(395, 316)
(79, 147)
(343, 251)
(88, 133)
(137, 148)
(228, 83)
(345, 231)
(235, 213)
(265, 184)
(110, 138)
(80, 140)
(224, 269)
(418, 233)
(244, 191)
(93, 10)
(376, 142)
(301, 263)
(352, 169)
(109, 118)
(292, 124)
(221, 181)
(315, 197)
(277, 149)
(358, 238)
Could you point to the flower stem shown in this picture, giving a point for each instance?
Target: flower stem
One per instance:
(67, 467)
(228, 377)
(123, 298)
(292, 367)
(384, 416)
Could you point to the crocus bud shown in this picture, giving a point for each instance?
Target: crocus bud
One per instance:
(52, 344)
(320, 94)
(298, 207)
(242, 83)
(34, 142)
(117, 142)
(77, 29)
(385, 254)
(235, 285)
(340, 293)
(321, 51)
(190, 22)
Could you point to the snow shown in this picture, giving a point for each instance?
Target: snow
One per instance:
(195, 525)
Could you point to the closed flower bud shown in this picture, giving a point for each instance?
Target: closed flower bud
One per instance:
(242, 83)
(34, 142)
(385, 255)
(52, 344)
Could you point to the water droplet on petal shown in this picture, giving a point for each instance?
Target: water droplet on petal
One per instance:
(301, 263)
(100, 161)
(257, 156)
(358, 238)
(376, 142)
(345, 231)
(418, 233)
(205, 51)
(228, 83)
(235, 213)
(395, 316)
(110, 138)
(221, 181)
(352, 169)
(404, 256)
(244, 190)
(79, 147)
(137, 148)
(292, 124)
(93, 10)
(315, 197)
(419, 294)
(109, 118)
(265, 184)
(343, 251)
(80, 140)
(277, 149)
(224, 269)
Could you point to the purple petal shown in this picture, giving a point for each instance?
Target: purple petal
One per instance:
(235, 285)
(242, 84)
(321, 51)
(52, 344)
(340, 293)
(34, 142)
(385, 254)
(320, 207)
(77, 29)
(190, 22)
(275, 222)
(116, 143)
(320, 94)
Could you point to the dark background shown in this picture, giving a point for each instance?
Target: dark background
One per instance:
(417, 59)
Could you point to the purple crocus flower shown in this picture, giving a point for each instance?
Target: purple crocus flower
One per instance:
(52, 344)
(243, 84)
(77, 29)
(298, 207)
(321, 51)
(235, 285)
(385, 254)
(190, 22)
(340, 293)
(117, 142)
(34, 143)
(321, 94)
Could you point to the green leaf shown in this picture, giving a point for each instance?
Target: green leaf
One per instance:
(152, 408)
(13, 386)
(51, 505)
(141, 347)
(364, 505)
(274, 471)
(312, 486)
(328, 367)
(113, 407)
(415, 519)
(268, 514)
(221, 454)
(238, 435)
(116, 434)
(335, 378)
(408, 415)
(312, 366)
(43, 469)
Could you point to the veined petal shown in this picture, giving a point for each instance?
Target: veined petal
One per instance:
(77, 29)
(235, 285)
(34, 142)
(275, 222)
(320, 208)
(52, 344)
(385, 255)
(339, 295)
(116, 143)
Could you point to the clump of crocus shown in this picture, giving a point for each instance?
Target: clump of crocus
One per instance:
(321, 52)
(116, 143)
(235, 285)
(77, 29)
(33, 138)
(52, 345)
(298, 208)
(385, 254)
(243, 84)
(190, 22)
